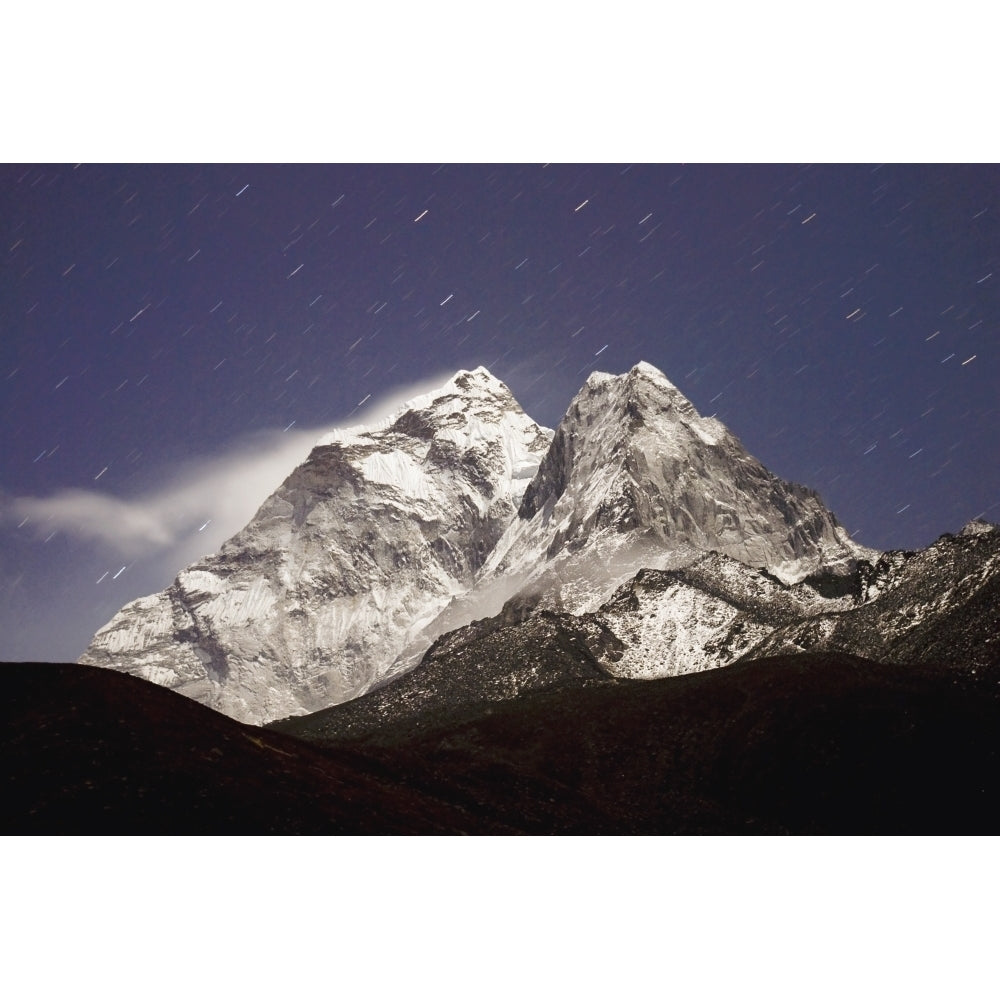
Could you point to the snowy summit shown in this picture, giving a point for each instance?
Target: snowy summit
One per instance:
(389, 535)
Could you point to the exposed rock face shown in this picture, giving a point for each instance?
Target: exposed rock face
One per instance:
(635, 479)
(939, 606)
(362, 545)
(486, 662)
(701, 617)
(388, 537)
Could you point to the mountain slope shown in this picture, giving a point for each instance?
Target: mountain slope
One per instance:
(468, 671)
(939, 603)
(388, 537)
(636, 479)
(810, 744)
(313, 601)
(91, 751)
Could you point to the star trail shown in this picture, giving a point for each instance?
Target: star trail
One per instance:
(176, 336)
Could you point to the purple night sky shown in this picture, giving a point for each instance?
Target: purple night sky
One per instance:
(176, 336)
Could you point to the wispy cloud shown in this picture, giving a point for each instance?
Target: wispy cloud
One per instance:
(220, 491)
(199, 503)
(124, 524)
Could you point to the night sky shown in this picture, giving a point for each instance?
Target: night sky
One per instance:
(175, 337)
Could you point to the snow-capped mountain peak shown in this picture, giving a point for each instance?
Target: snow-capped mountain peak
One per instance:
(636, 478)
(977, 526)
(362, 545)
(392, 533)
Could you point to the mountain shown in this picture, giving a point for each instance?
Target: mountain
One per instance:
(90, 751)
(468, 672)
(361, 546)
(388, 537)
(474, 625)
(635, 479)
(939, 605)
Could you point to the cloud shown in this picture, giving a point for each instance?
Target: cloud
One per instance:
(97, 516)
(221, 491)
(375, 412)
(199, 503)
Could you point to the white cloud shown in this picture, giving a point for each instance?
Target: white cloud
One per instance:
(97, 516)
(200, 503)
(223, 490)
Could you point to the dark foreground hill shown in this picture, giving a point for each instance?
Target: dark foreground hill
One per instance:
(805, 745)
(88, 750)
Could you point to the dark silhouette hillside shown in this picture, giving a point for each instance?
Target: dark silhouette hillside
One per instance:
(813, 744)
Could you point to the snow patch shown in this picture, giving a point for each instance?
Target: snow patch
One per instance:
(653, 373)
(199, 583)
(397, 469)
(708, 430)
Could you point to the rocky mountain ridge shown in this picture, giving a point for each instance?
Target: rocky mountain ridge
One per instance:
(937, 605)
(358, 550)
(633, 453)
(389, 537)
(636, 479)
